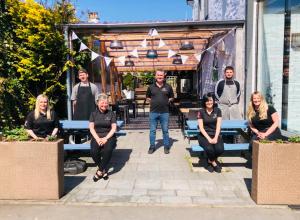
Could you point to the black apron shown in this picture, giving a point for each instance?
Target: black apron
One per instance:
(85, 103)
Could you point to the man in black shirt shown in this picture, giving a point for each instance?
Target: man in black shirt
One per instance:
(159, 94)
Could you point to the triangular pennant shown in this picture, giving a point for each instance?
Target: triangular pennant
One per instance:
(171, 53)
(161, 43)
(134, 53)
(122, 60)
(74, 36)
(144, 43)
(107, 60)
(83, 47)
(210, 49)
(184, 58)
(198, 57)
(94, 55)
(153, 32)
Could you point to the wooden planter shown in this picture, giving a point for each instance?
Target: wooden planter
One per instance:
(31, 170)
(276, 173)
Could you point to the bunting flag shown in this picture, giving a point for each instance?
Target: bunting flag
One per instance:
(210, 49)
(122, 60)
(144, 43)
(184, 58)
(94, 55)
(171, 53)
(74, 36)
(107, 60)
(134, 53)
(198, 57)
(83, 47)
(161, 43)
(153, 32)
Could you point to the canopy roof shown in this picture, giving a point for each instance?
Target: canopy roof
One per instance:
(172, 33)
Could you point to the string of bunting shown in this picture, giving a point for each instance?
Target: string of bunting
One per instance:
(153, 33)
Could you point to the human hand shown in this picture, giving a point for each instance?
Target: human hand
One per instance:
(214, 140)
(261, 135)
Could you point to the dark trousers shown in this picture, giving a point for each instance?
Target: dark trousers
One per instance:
(213, 151)
(102, 154)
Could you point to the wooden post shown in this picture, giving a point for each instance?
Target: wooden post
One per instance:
(119, 81)
(112, 83)
(103, 67)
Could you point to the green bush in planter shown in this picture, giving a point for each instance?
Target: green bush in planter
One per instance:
(20, 134)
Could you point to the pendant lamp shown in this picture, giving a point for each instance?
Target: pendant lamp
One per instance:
(152, 54)
(187, 45)
(116, 44)
(129, 63)
(177, 60)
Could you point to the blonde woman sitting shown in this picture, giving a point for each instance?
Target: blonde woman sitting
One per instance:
(263, 119)
(43, 121)
(102, 126)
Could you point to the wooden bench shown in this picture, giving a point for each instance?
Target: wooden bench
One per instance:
(82, 127)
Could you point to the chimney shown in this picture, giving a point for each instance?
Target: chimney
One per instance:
(93, 17)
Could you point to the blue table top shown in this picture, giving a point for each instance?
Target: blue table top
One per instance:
(72, 124)
(226, 124)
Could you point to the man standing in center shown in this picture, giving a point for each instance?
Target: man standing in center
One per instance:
(159, 94)
(227, 92)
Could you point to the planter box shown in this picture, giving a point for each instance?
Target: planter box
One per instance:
(276, 173)
(31, 170)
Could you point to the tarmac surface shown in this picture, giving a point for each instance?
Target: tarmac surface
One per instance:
(151, 186)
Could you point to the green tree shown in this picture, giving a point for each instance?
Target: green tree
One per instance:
(33, 57)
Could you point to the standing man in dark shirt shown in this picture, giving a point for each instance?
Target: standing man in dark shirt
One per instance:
(159, 94)
(84, 96)
(227, 92)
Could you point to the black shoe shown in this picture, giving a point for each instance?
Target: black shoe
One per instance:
(166, 150)
(209, 168)
(217, 168)
(151, 150)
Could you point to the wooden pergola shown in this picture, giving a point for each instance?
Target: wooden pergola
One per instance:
(132, 34)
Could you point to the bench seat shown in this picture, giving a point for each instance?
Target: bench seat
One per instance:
(239, 146)
(87, 146)
(193, 133)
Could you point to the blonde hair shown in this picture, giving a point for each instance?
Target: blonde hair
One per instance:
(262, 109)
(102, 96)
(37, 107)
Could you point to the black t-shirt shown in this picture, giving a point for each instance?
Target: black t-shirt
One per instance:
(159, 97)
(102, 121)
(263, 124)
(210, 121)
(41, 126)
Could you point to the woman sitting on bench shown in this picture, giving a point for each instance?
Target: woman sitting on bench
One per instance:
(263, 119)
(102, 126)
(209, 121)
(42, 122)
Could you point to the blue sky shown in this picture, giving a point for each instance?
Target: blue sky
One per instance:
(134, 10)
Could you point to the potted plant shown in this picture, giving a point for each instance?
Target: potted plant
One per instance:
(275, 171)
(128, 84)
(30, 169)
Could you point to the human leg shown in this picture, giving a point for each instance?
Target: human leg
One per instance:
(164, 122)
(153, 118)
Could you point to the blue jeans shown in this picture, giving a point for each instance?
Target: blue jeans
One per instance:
(163, 118)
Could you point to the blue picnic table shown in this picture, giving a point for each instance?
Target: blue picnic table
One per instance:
(227, 127)
(72, 127)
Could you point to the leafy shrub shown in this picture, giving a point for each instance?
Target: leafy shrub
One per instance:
(294, 139)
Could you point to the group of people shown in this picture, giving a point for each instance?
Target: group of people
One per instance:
(263, 118)
(88, 104)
